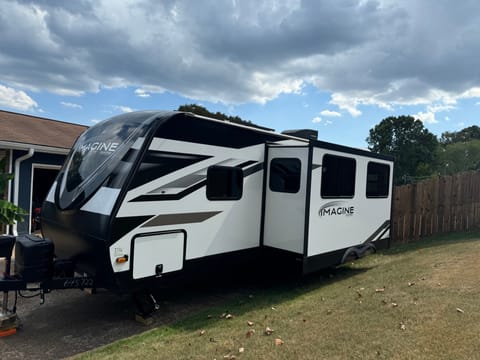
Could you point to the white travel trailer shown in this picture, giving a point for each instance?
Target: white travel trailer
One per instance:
(149, 195)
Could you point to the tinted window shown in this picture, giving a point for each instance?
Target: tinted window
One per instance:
(224, 183)
(97, 153)
(98, 144)
(378, 179)
(338, 177)
(156, 164)
(285, 175)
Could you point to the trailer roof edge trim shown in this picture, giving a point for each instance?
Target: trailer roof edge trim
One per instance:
(350, 150)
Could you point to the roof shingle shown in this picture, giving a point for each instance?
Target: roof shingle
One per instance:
(32, 130)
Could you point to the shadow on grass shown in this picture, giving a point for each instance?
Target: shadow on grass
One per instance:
(242, 292)
(434, 241)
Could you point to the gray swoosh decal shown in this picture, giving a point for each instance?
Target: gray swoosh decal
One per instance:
(176, 219)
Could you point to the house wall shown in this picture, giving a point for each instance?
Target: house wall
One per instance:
(25, 180)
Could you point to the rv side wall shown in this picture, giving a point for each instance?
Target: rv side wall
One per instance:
(343, 216)
(211, 226)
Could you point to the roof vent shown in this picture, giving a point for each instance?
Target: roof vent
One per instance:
(308, 134)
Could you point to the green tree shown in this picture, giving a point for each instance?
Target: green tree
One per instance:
(9, 213)
(200, 110)
(412, 145)
(464, 135)
(459, 156)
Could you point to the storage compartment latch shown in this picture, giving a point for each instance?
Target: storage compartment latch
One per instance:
(159, 270)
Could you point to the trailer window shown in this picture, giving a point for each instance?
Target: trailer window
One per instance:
(224, 183)
(285, 175)
(96, 155)
(156, 164)
(338, 177)
(378, 180)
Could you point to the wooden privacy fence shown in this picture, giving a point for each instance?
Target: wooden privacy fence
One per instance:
(439, 205)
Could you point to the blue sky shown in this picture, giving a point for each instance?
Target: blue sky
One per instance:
(336, 66)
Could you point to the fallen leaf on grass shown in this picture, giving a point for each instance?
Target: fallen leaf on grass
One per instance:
(268, 331)
(460, 311)
(279, 342)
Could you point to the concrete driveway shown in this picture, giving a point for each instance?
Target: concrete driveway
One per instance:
(73, 321)
(70, 321)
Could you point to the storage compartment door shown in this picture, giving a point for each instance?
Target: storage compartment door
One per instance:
(159, 253)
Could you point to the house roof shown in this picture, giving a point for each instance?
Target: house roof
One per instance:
(20, 129)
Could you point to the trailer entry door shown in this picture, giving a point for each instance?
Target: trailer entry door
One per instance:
(285, 197)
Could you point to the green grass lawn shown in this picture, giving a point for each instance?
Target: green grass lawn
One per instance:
(420, 301)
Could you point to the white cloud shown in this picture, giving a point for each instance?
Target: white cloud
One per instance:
(426, 117)
(16, 99)
(346, 103)
(330, 113)
(319, 120)
(473, 92)
(142, 93)
(429, 117)
(440, 108)
(71, 105)
(381, 53)
(148, 90)
(123, 109)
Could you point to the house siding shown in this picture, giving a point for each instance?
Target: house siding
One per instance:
(25, 181)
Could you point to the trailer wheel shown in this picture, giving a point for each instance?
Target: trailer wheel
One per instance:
(351, 254)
